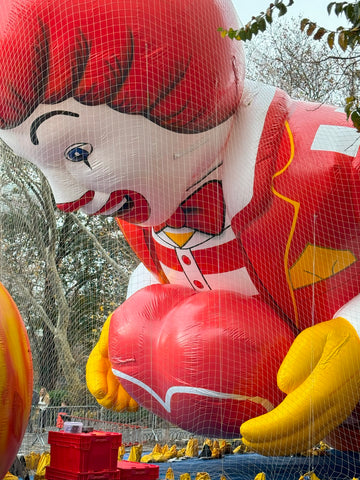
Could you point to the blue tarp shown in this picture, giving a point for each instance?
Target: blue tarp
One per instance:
(334, 466)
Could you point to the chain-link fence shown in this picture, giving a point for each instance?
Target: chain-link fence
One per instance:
(141, 427)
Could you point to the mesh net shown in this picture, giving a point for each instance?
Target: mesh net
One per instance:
(140, 169)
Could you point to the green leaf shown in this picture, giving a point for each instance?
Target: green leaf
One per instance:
(357, 13)
(231, 33)
(254, 28)
(268, 16)
(242, 34)
(248, 34)
(339, 8)
(355, 118)
(262, 24)
(329, 7)
(282, 10)
(349, 105)
(349, 13)
(350, 99)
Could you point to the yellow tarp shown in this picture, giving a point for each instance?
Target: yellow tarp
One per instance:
(121, 452)
(192, 448)
(202, 476)
(170, 474)
(43, 463)
(159, 455)
(185, 476)
(260, 476)
(32, 460)
(10, 476)
(135, 453)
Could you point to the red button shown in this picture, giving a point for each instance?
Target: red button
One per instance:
(198, 284)
(186, 260)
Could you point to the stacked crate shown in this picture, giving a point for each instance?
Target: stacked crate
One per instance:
(137, 471)
(83, 456)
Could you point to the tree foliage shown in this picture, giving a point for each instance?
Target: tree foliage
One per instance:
(66, 272)
(347, 38)
(257, 23)
(286, 57)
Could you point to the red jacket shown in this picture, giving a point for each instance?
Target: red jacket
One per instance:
(299, 235)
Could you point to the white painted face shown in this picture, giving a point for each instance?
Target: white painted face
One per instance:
(112, 163)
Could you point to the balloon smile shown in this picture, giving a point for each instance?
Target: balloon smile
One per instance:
(125, 204)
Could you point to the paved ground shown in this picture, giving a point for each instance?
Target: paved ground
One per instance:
(34, 442)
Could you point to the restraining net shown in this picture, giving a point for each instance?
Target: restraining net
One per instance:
(213, 219)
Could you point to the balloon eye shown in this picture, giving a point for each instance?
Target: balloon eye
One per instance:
(79, 152)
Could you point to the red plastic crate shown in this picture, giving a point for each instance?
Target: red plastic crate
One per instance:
(84, 452)
(55, 474)
(136, 471)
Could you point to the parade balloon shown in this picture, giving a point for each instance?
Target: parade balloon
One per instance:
(15, 380)
(242, 205)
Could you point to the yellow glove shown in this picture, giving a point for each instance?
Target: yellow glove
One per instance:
(101, 382)
(321, 377)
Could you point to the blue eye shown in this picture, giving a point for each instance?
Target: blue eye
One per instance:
(79, 152)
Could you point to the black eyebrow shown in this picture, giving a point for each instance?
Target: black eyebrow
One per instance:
(39, 120)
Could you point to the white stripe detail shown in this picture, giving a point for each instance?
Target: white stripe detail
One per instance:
(191, 391)
(336, 138)
(239, 165)
(96, 203)
(116, 207)
(350, 311)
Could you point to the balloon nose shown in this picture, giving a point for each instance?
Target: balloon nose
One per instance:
(73, 206)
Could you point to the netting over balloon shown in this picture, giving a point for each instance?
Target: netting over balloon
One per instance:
(207, 224)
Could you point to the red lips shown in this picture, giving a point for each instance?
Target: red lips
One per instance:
(134, 208)
(73, 206)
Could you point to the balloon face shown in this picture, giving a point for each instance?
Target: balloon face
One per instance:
(15, 380)
(91, 109)
(94, 158)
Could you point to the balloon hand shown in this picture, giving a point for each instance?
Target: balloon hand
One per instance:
(321, 377)
(101, 382)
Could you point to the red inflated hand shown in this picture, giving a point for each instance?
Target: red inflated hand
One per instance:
(178, 352)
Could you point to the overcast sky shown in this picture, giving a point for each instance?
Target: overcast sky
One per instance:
(313, 9)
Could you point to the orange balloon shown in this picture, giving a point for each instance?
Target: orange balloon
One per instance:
(16, 379)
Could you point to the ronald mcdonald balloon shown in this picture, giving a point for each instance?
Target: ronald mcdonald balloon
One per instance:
(242, 205)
